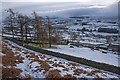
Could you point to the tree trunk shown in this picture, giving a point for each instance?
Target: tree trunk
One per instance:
(26, 34)
(49, 36)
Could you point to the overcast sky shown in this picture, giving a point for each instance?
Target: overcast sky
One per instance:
(108, 1)
(87, 2)
(53, 7)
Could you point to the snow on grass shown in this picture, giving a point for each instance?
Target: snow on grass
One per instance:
(105, 34)
(89, 54)
(33, 62)
(1, 54)
(95, 43)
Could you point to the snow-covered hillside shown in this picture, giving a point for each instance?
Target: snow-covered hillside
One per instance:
(37, 65)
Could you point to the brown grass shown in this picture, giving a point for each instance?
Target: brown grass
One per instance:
(10, 72)
(79, 71)
(58, 65)
(45, 66)
(53, 74)
(73, 64)
(93, 72)
(32, 55)
(70, 77)
(49, 61)
(9, 61)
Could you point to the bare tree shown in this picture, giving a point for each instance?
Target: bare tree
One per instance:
(49, 26)
(23, 23)
(26, 24)
(10, 20)
(54, 36)
(44, 31)
(37, 24)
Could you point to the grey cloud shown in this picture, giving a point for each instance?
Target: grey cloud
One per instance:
(62, 9)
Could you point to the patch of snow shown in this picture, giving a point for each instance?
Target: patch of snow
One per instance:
(104, 34)
(1, 54)
(34, 64)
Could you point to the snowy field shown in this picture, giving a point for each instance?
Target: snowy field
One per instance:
(89, 54)
(37, 65)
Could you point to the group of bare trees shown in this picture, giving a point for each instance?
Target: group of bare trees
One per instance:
(31, 29)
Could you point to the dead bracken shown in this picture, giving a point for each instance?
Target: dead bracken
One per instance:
(50, 67)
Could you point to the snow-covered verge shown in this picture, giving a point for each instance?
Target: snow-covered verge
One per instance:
(36, 65)
(89, 54)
